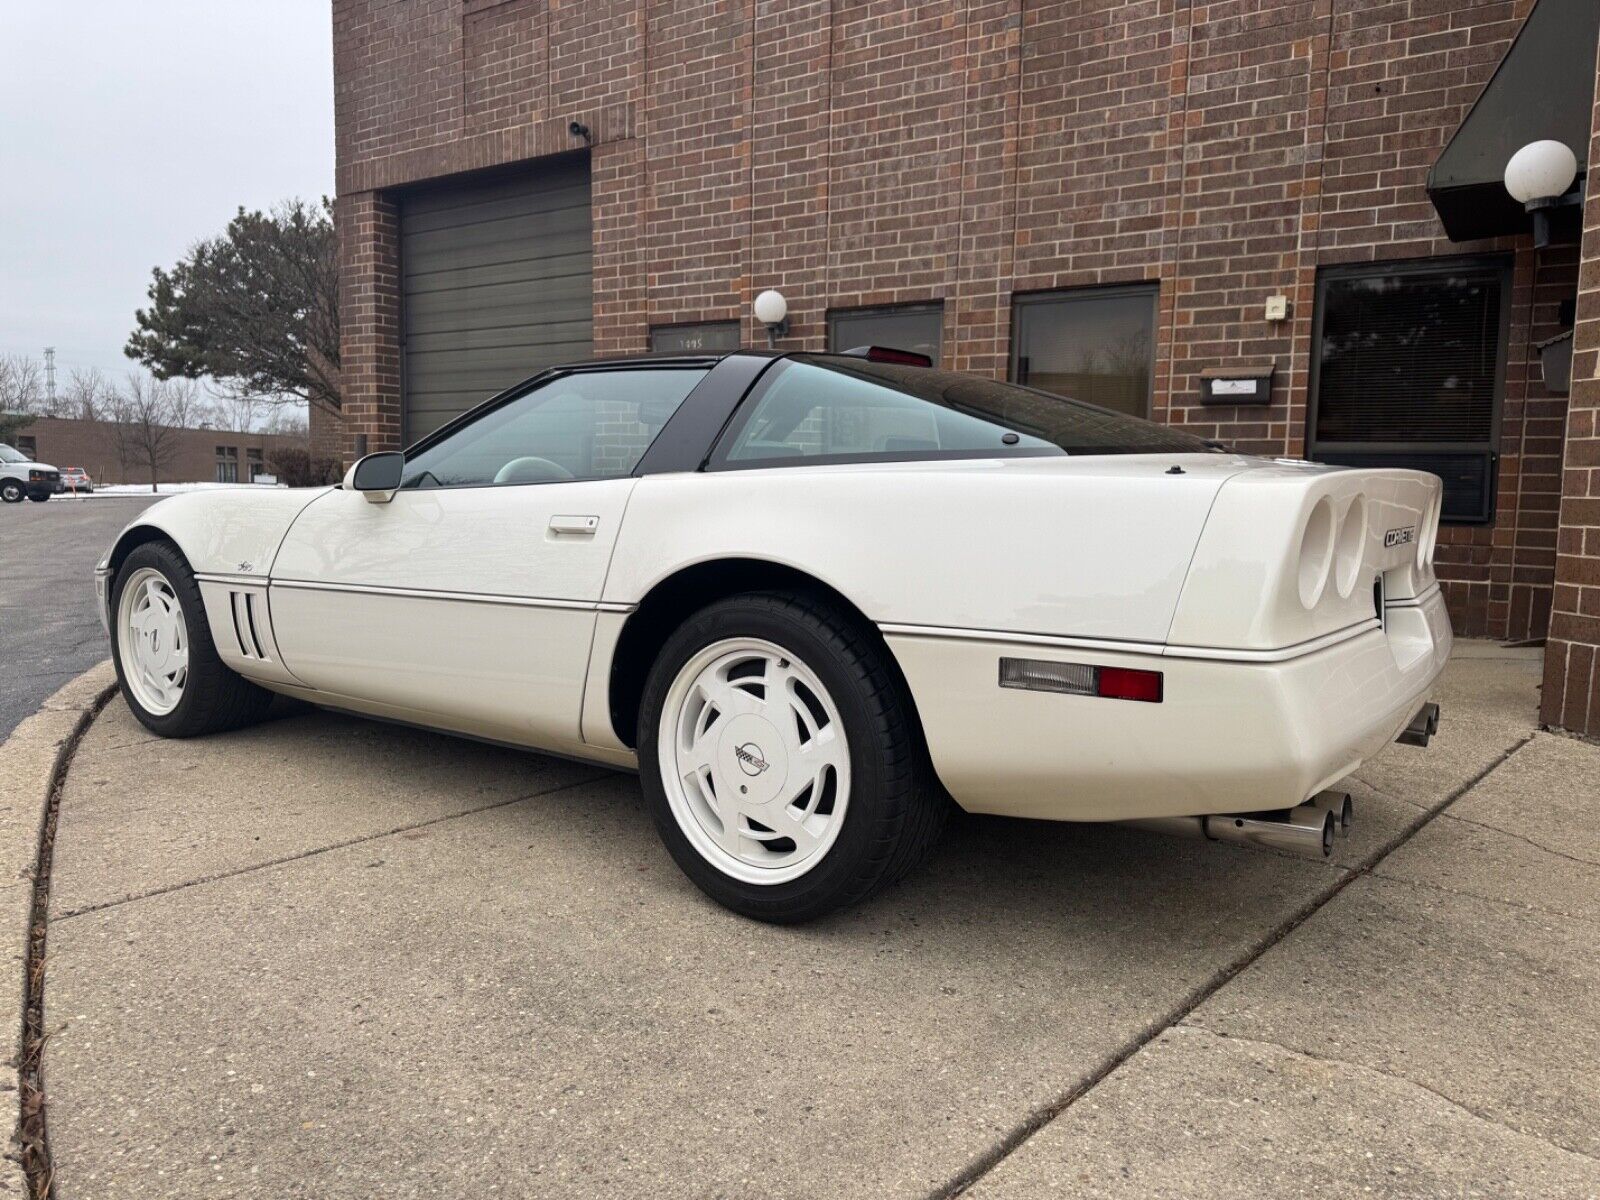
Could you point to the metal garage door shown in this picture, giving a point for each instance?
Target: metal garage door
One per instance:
(496, 280)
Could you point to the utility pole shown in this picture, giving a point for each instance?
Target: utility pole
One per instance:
(50, 377)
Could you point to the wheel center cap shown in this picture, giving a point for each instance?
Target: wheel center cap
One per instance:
(751, 759)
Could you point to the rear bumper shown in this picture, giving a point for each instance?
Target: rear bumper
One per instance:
(1228, 736)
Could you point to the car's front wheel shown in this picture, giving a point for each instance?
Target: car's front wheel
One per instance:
(38, 497)
(167, 664)
(781, 759)
(11, 491)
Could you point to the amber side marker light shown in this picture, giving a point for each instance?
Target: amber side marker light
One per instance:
(1081, 679)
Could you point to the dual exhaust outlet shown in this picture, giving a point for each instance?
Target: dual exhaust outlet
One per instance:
(1422, 728)
(1308, 829)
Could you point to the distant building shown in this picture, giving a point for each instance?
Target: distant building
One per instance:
(202, 455)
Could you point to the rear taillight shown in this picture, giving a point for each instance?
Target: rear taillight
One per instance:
(1121, 683)
(1081, 679)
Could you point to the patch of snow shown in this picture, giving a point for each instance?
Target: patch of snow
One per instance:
(164, 489)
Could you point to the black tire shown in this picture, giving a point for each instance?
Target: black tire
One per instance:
(896, 807)
(215, 698)
(37, 499)
(11, 491)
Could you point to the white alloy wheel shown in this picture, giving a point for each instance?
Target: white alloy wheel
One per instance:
(754, 761)
(153, 641)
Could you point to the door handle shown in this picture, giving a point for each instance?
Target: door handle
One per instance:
(574, 526)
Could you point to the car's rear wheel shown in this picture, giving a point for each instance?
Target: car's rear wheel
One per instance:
(11, 491)
(167, 664)
(781, 759)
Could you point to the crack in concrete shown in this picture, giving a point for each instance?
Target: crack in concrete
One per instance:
(1039, 1118)
(1522, 837)
(1515, 905)
(1334, 1060)
(312, 853)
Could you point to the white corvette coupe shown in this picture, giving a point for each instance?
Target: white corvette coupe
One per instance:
(814, 598)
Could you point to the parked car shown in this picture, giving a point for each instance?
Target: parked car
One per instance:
(20, 476)
(76, 479)
(812, 598)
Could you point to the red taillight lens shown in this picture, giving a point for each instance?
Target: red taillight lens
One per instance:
(1120, 683)
(1080, 679)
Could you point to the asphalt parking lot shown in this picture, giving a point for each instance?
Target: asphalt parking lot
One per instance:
(327, 957)
(49, 631)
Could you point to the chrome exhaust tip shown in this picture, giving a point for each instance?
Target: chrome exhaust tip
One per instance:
(1340, 805)
(1306, 830)
(1422, 727)
(1303, 830)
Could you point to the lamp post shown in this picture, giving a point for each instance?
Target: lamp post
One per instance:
(1539, 177)
(772, 310)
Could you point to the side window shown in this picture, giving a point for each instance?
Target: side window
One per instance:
(584, 425)
(814, 412)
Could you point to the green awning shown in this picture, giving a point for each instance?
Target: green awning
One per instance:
(1543, 88)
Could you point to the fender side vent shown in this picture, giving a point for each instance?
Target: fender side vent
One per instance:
(243, 606)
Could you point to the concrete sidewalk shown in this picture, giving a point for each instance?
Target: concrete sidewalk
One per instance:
(325, 957)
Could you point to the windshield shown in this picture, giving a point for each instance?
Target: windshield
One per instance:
(830, 408)
(7, 454)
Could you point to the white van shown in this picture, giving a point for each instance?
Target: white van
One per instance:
(20, 476)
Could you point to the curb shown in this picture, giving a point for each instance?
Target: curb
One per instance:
(35, 756)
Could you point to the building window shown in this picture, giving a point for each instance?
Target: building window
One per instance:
(254, 467)
(918, 328)
(1407, 370)
(695, 339)
(28, 446)
(1095, 344)
(227, 464)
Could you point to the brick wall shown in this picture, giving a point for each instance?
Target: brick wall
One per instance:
(1571, 696)
(92, 445)
(964, 151)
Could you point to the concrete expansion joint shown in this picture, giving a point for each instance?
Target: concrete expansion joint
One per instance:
(1020, 1134)
(1188, 1027)
(319, 850)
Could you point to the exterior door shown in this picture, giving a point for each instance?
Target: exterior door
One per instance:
(469, 600)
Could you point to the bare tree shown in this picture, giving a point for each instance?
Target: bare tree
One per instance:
(149, 413)
(287, 420)
(86, 395)
(234, 411)
(21, 385)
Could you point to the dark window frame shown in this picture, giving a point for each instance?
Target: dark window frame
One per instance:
(28, 444)
(1489, 447)
(672, 327)
(911, 308)
(1021, 300)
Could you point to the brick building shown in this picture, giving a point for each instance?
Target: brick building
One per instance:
(1116, 199)
(198, 455)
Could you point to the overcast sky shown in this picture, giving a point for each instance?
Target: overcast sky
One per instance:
(131, 128)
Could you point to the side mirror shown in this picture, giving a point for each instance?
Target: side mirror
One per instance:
(377, 476)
